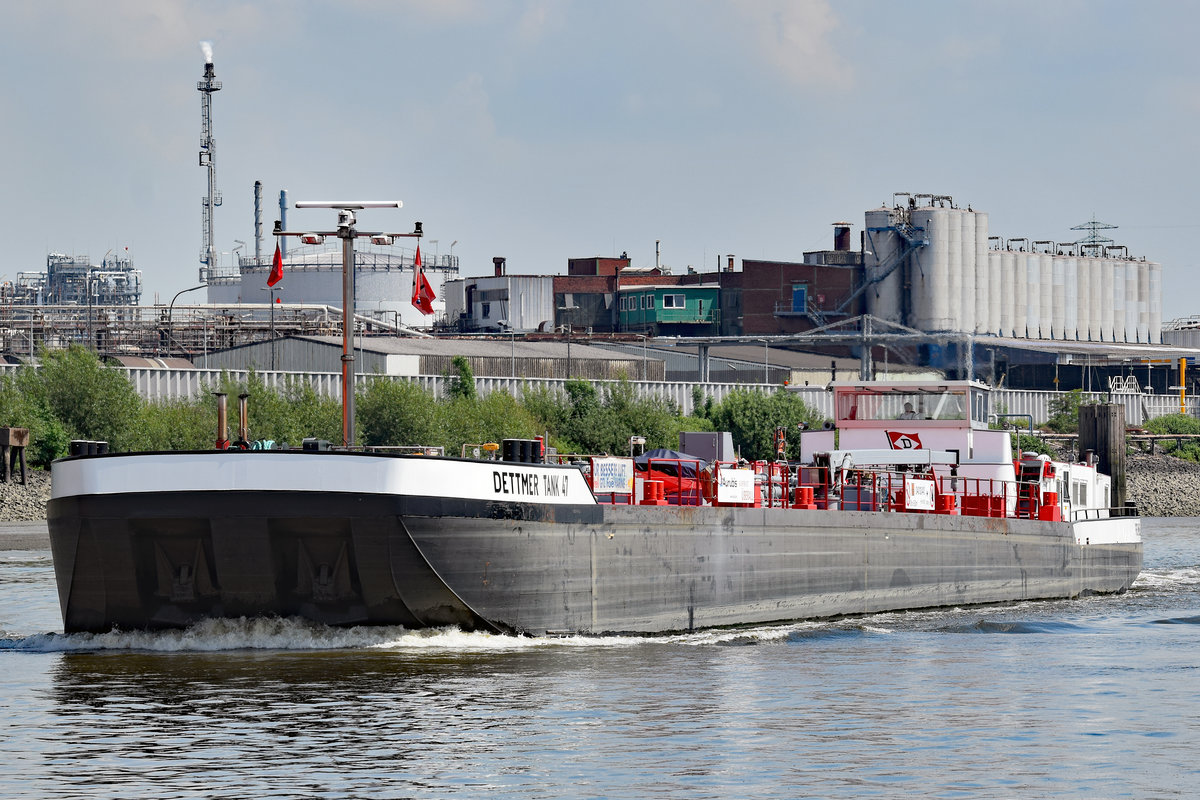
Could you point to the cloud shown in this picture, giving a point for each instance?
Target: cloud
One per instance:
(793, 36)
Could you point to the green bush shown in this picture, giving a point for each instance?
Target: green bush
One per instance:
(391, 412)
(751, 417)
(1177, 423)
(1064, 412)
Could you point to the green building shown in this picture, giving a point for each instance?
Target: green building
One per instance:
(688, 310)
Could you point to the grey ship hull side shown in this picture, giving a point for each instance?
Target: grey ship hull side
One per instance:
(166, 559)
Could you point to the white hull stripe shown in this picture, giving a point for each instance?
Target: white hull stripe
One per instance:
(289, 471)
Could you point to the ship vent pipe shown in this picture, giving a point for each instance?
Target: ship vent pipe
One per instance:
(243, 418)
(222, 422)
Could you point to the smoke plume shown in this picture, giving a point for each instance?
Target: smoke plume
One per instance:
(206, 47)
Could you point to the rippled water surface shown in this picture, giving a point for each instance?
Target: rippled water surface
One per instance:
(1096, 697)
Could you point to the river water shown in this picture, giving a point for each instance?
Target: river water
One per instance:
(1092, 698)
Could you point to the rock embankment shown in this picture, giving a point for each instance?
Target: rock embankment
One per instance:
(1162, 486)
(25, 503)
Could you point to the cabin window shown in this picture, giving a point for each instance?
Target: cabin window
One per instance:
(1079, 493)
(674, 301)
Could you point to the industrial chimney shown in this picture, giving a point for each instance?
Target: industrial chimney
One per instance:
(841, 236)
(498, 263)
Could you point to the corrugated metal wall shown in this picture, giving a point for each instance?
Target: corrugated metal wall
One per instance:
(171, 384)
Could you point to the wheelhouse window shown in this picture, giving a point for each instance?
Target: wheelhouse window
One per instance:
(923, 404)
(674, 301)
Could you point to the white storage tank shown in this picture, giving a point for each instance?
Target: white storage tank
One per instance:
(1046, 296)
(1155, 302)
(1144, 301)
(884, 301)
(1003, 263)
(1083, 304)
(1071, 293)
(1118, 301)
(930, 280)
(1033, 295)
(1105, 299)
(967, 303)
(988, 278)
(955, 313)
(1132, 301)
(1095, 302)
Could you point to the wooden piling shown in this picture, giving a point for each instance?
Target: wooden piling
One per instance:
(1102, 430)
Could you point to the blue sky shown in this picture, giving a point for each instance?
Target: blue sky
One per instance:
(542, 131)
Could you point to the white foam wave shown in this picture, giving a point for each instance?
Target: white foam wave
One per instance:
(1168, 579)
(216, 635)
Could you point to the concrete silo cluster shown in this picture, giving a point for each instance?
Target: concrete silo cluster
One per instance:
(936, 268)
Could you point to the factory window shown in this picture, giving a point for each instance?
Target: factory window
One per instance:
(486, 309)
(674, 301)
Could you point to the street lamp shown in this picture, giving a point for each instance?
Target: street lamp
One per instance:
(567, 325)
(171, 314)
(272, 290)
(347, 232)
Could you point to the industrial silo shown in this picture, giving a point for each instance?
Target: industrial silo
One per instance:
(1131, 301)
(1083, 295)
(1046, 295)
(1003, 263)
(968, 312)
(1118, 301)
(1071, 291)
(1105, 299)
(1092, 301)
(884, 300)
(955, 313)
(1033, 294)
(1154, 301)
(1144, 301)
(988, 278)
(931, 281)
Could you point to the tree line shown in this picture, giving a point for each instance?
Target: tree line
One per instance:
(73, 395)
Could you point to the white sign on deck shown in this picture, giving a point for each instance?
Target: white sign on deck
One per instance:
(919, 494)
(735, 486)
(612, 475)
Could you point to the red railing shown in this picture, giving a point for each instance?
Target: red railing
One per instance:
(777, 484)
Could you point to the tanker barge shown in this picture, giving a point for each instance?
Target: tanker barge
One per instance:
(910, 502)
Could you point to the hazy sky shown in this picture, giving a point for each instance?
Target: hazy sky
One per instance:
(546, 130)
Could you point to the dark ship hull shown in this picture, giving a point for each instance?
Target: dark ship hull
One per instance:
(163, 540)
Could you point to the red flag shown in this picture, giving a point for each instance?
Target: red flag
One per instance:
(423, 296)
(276, 269)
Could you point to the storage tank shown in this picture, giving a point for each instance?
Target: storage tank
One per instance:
(988, 278)
(1143, 301)
(1092, 300)
(955, 313)
(1083, 265)
(1033, 294)
(1071, 288)
(930, 281)
(1131, 301)
(968, 303)
(884, 300)
(1155, 302)
(1105, 299)
(1003, 264)
(1118, 301)
(1046, 273)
